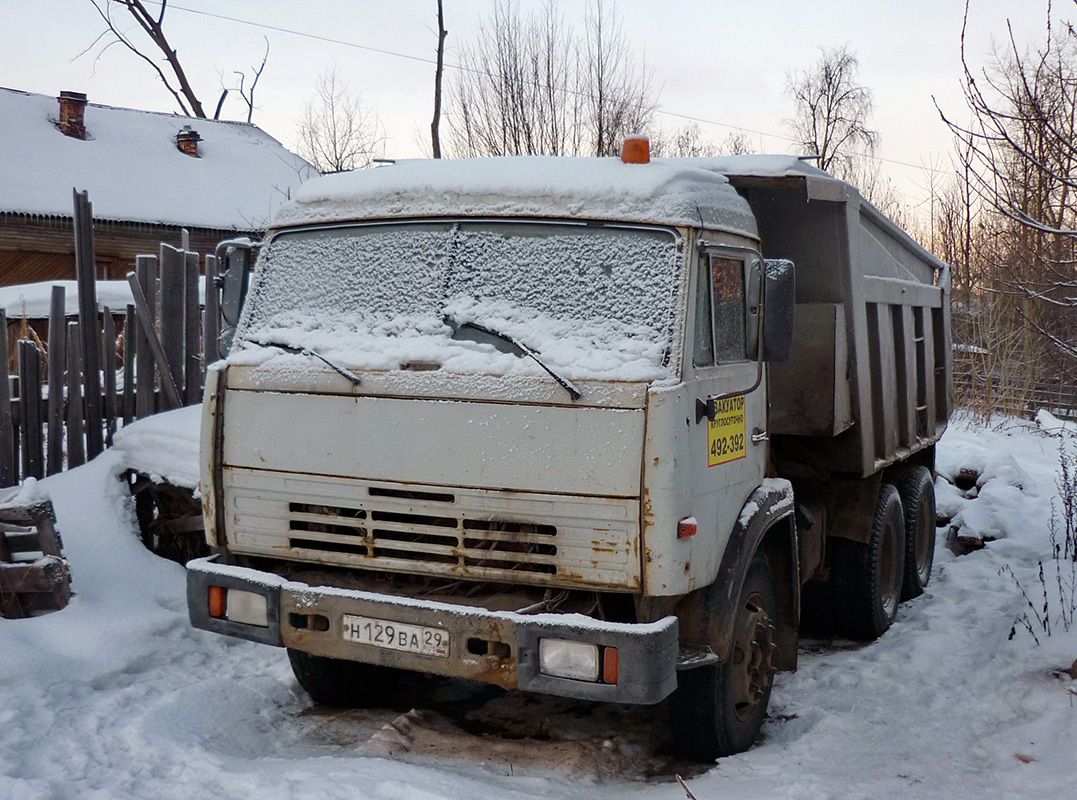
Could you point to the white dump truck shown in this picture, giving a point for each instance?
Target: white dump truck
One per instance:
(594, 428)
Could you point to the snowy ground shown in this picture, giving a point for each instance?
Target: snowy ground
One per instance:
(117, 697)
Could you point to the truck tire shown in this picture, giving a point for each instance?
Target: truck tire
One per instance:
(337, 682)
(868, 576)
(718, 710)
(917, 491)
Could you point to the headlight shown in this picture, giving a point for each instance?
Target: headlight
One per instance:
(564, 659)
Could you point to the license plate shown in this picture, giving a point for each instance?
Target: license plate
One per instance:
(396, 635)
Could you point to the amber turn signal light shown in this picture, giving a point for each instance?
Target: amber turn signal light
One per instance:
(218, 596)
(611, 665)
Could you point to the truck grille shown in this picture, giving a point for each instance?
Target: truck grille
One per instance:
(373, 533)
(465, 533)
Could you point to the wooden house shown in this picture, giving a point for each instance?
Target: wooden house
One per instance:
(149, 176)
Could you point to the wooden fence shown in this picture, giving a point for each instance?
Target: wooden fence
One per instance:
(67, 400)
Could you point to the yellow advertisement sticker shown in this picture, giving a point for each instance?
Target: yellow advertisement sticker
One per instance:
(727, 433)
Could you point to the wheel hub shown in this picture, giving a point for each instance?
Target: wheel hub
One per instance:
(751, 657)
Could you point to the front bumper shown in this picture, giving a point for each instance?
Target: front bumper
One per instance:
(495, 647)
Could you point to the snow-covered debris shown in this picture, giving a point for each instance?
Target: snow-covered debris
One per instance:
(164, 446)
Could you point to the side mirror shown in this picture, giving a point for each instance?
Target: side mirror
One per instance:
(234, 282)
(780, 297)
(236, 257)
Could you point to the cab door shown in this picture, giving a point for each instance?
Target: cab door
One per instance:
(728, 445)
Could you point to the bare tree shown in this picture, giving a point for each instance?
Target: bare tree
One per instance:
(435, 125)
(1018, 157)
(528, 85)
(245, 92)
(152, 26)
(338, 132)
(831, 112)
(685, 142)
(619, 100)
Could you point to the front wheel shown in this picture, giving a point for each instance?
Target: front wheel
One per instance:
(718, 710)
(337, 682)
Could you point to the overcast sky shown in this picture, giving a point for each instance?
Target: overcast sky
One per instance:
(719, 61)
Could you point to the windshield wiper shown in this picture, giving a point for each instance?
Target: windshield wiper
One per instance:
(518, 348)
(306, 351)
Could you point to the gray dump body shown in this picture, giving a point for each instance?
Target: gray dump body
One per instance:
(868, 382)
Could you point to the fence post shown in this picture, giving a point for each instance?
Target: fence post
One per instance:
(212, 319)
(146, 385)
(76, 447)
(54, 461)
(192, 330)
(85, 270)
(168, 388)
(173, 297)
(108, 352)
(30, 410)
(129, 365)
(9, 470)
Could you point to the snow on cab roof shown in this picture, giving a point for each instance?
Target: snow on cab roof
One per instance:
(526, 186)
(133, 170)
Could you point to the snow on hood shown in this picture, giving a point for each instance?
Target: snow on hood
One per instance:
(133, 171)
(526, 186)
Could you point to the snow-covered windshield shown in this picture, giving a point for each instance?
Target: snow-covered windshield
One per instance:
(592, 301)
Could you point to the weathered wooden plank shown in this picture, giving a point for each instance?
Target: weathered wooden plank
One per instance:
(19, 543)
(89, 328)
(211, 330)
(27, 515)
(168, 387)
(54, 461)
(41, 576)
(170, 327)
(108, 361)
(192, 332)
(129, 336)
(48, 538)
(9, 473)
(145, 381)
(76, 443)
(33, 460)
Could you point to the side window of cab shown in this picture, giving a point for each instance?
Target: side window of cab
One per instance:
(720, 323)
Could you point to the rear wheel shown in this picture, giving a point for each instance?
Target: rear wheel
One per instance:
(868, 576)
(336, 682)
(718, 710)
(917, 491)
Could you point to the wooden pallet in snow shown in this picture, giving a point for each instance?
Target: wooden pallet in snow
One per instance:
(34, 576)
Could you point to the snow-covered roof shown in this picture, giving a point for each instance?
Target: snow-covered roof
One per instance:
(760, 166)
(526, 186)
(34, 300)
(133, 170)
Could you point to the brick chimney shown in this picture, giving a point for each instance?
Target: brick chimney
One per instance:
(187, 141)
(72, 114)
